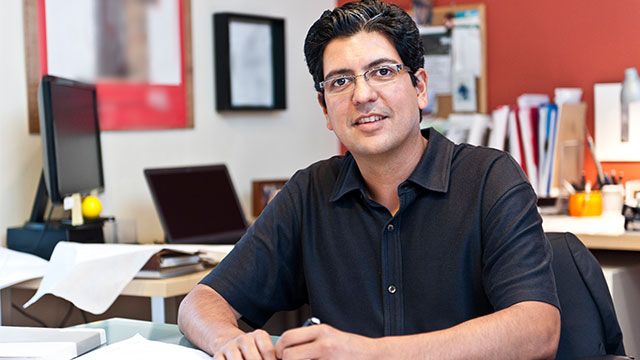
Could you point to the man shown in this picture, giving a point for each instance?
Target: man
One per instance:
(407, 247)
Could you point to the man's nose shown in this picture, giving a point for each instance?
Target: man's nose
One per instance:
(362, 91)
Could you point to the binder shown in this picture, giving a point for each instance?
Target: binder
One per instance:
(528, 125)
(571, 131)
(548, 124)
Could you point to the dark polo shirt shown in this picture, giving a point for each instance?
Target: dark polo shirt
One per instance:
(466, 241)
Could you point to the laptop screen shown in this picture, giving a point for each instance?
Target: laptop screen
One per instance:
(197, 205)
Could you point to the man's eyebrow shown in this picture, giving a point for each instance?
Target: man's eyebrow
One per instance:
(345, 71)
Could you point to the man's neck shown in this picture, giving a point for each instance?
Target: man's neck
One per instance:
(385, 172)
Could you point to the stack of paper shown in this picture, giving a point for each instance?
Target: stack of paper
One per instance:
(46, 343)
(137, 347)
(16, 267)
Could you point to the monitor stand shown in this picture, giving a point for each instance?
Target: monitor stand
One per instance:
(40, 238)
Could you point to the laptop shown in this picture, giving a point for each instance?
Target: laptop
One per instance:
(197, 204)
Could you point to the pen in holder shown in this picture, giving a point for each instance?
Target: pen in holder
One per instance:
(585, 203)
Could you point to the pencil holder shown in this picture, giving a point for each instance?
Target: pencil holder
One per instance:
(585, 203)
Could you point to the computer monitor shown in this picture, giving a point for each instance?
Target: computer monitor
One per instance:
(72, 155)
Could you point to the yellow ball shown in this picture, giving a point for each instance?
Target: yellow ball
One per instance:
(91, 207)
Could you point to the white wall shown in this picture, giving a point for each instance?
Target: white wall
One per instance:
(253, 145)
(20, 157)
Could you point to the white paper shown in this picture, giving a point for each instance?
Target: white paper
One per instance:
(163, 40)
(92, 276)
(137, 347)
(251, 64)
(439, 69)
(16, 267)
(71, 39)
(467, 55)
(464, 92)
(607, 224)
(607, 108)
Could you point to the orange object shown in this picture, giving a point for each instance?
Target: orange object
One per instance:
(585, 204)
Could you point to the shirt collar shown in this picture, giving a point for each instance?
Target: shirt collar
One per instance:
(432, 172)
(434, 169)
(349, 179)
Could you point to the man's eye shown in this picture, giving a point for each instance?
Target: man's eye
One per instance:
(383, 72)
(340, 82)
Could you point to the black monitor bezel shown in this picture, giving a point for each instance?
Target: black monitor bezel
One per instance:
(229, 237)
(47, 132)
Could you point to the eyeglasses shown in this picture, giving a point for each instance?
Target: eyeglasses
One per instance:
(377, 76)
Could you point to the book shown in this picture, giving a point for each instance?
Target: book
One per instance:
(168, 272)
(48, 343)
(167, 258)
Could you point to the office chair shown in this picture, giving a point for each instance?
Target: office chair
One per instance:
(589, 326)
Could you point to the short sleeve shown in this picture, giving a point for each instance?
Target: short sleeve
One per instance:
(516, 254)
(263, 273)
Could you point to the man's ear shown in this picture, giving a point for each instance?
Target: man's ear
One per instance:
(421, 87)
(323, 105)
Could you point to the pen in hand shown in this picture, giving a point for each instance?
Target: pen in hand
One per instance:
(311, 321)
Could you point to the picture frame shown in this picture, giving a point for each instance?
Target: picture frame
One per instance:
(153, 90)
(632, 192)
(264, 191)
(249, 62)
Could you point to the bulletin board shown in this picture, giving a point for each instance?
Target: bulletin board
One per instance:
(439, 18)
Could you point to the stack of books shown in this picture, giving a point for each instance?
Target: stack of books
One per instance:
(169, 263)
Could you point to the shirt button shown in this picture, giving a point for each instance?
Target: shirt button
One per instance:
(390, 227)
(392, 289)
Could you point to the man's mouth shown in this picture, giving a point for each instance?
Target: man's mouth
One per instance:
(369, 119)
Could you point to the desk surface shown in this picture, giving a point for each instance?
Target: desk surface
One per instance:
(597, 233)
(118, 329)
(629, 241)
(168, 287)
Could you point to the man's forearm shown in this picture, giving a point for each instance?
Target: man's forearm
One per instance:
(207, 320)
(528, 330)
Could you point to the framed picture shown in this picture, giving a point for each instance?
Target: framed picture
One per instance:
(249, 62)
(138, 54)
(264, 191)
(632, 192)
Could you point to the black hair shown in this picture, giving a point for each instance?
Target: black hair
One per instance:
(369, 16)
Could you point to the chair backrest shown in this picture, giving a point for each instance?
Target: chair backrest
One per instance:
(589, 323)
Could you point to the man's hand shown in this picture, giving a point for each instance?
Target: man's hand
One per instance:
(323, 342)
(254, 345)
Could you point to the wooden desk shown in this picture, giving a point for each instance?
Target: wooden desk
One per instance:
(629, 241)
(156, 289)
(597, 233)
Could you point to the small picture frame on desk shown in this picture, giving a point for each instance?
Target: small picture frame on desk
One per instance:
(263, 192)
(249, 62)
(632, 193)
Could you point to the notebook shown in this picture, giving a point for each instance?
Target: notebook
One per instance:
(197, 204)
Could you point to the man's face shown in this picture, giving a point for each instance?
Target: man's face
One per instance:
(371, 120)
